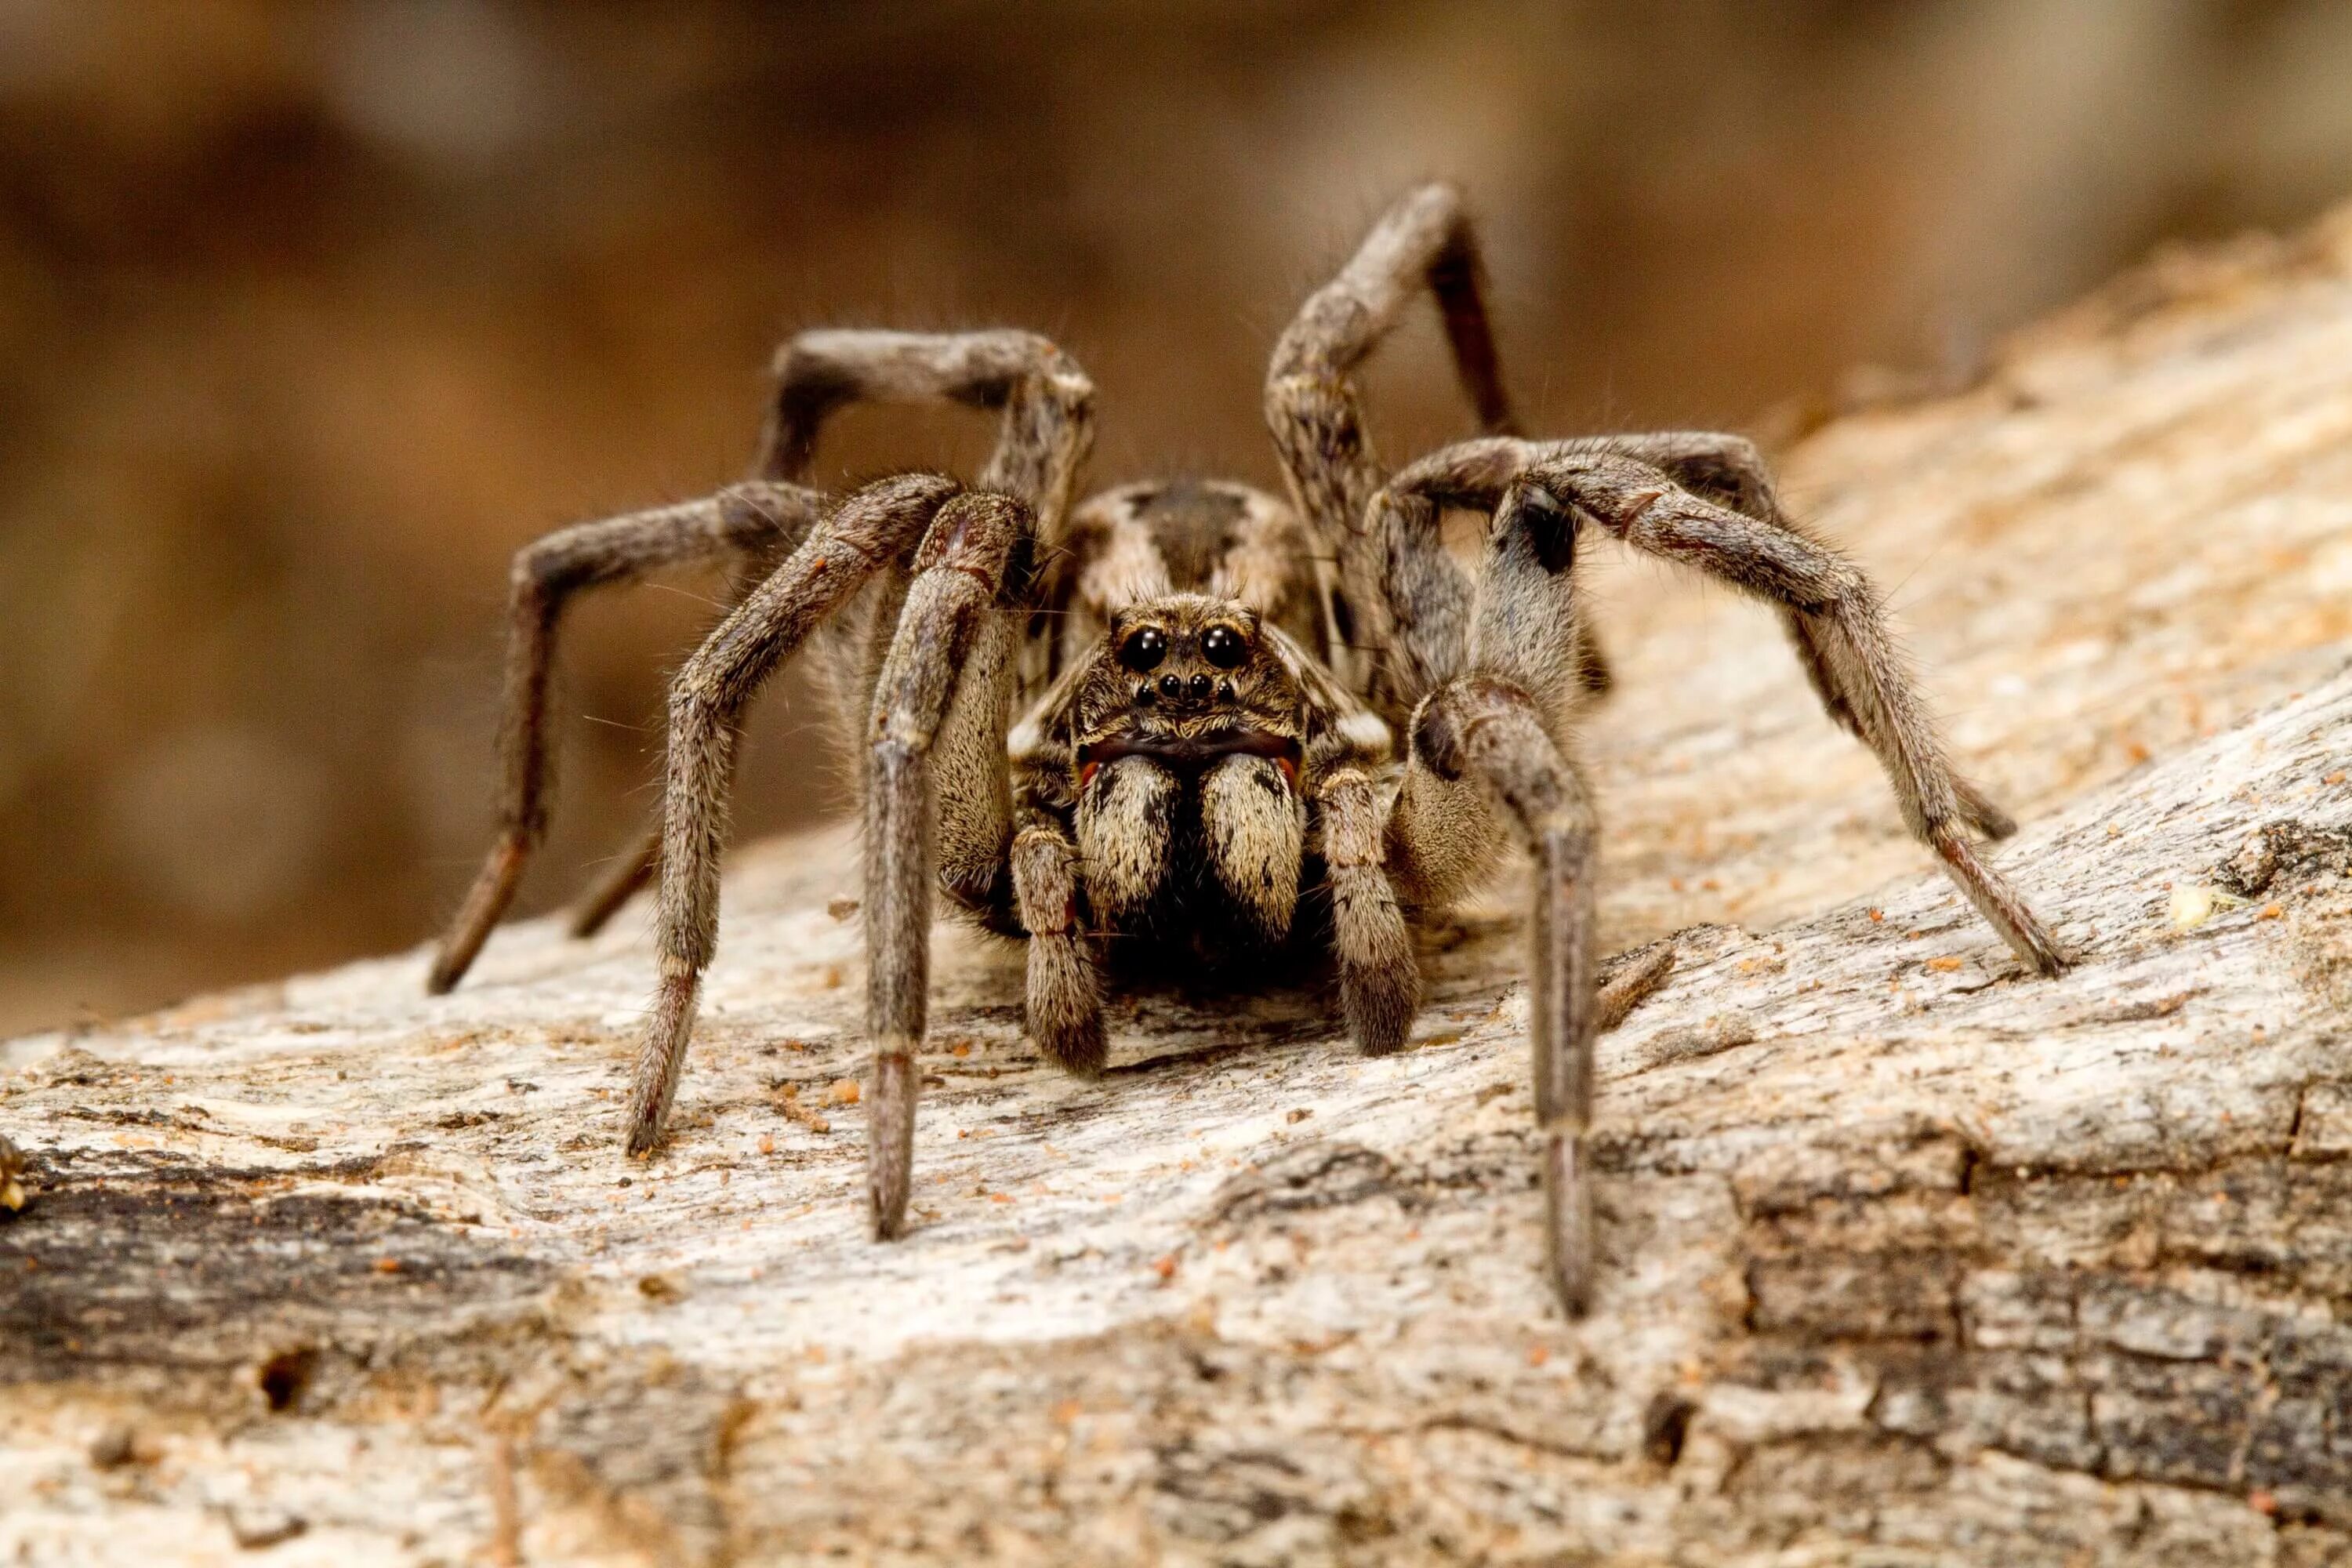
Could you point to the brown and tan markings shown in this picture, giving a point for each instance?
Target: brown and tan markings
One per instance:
(1249, 728)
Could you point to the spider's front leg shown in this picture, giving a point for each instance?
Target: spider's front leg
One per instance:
(870, 533)
(939, 709)
(937, 728)
(1486, 733)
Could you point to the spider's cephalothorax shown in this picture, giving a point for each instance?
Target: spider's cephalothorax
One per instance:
(1186, 734)
(1194, 712)
(1181, 746)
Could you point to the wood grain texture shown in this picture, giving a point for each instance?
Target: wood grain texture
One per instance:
(1907, 1259)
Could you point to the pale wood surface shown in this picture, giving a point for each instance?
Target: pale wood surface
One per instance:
(1908, 1259)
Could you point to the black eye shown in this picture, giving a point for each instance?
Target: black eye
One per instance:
(1144, 649)
(1223, 646)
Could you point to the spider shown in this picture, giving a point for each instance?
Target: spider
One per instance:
(1192, 718)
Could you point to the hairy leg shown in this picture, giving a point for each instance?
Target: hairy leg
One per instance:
(1487, 738)
(1486, 727)
(753, 521)
(956, 601)
(624, 878)
(1314, 411)
(1312, 404)
(1045, 400)
(1441, 835)
(1834, 606)
(867, 532)
(1731, 472)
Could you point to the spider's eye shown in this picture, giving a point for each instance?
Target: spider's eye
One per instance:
(1144, 649)
(1223, 646)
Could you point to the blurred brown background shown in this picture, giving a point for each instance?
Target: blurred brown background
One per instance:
(310, 313)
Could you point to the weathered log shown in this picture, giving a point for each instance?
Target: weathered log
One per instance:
(1907, 1258)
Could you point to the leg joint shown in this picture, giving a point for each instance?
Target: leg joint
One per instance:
(1445, 728)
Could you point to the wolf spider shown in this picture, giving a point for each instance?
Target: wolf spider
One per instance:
(1194, 713)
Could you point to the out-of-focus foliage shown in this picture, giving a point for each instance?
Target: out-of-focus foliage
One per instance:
(310, 313)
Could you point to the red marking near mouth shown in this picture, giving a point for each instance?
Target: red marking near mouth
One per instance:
(1190, 754)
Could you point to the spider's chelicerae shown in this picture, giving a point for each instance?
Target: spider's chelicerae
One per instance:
(1239, 724)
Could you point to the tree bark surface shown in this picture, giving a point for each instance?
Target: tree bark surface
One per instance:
(1908, 1258)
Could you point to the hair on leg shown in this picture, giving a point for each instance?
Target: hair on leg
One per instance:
(1063, 985)
(867, 532)
(959, 578)
(750, 522)
(1379, 974)
(1842, 632)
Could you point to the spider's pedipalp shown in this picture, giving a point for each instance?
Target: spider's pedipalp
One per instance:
(1125, 822)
